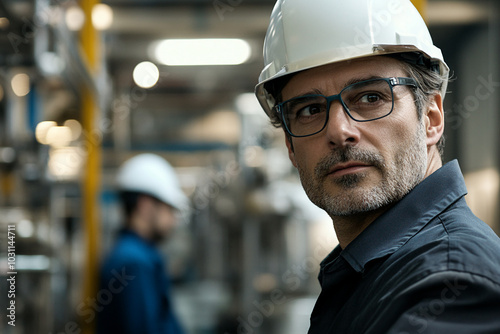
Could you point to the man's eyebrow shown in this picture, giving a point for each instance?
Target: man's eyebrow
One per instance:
(314, 91)
(359, 79)
(301, 99)
(351, 81)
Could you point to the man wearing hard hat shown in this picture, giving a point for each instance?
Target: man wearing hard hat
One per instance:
(358, 87)
(134, 274)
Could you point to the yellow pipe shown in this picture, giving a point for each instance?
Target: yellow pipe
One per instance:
(89, 42)
(89, 37)
(421, 6)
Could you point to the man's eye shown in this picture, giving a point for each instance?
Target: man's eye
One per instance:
(370, 98)
(310, 110)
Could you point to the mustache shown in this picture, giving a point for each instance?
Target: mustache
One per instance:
(345, 155)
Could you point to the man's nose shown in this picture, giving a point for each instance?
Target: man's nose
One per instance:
(341, 129)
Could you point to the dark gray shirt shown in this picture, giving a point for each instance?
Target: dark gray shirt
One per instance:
(427, 265)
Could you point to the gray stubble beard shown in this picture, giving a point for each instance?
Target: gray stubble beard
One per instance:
(398, 179)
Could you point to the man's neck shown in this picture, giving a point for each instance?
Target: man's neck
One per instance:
(139, 226)
(434, 161)
(348, 228)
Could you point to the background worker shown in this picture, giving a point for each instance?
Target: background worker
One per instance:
(151, 197)
(358, 87)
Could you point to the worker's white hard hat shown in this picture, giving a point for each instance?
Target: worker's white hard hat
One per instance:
(306, 34)
(152, 175)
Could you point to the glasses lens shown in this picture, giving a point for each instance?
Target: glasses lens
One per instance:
(305, 115)
(368, 100)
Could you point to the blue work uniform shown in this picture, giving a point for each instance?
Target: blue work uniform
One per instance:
(135, 290)
(427, 265)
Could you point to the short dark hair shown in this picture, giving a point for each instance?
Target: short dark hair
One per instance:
(427, 76)
(429, 82)
(129, 201)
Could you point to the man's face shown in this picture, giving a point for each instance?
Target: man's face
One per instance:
(354, 167)
(163, 220)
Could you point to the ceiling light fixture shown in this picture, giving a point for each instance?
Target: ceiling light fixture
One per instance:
(146, 74)
(21, 84)
(74, 18)
(102, 16)
(199, 52)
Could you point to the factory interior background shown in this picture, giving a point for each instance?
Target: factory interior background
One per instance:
(84, 85)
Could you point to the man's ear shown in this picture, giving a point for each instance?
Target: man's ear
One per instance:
(434, 120)
(291, 151)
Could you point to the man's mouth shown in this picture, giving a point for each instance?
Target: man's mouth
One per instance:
(348, 168)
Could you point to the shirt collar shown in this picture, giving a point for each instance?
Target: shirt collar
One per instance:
(395, 227)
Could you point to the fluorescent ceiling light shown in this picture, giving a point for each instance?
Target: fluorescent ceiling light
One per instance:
(197, 52)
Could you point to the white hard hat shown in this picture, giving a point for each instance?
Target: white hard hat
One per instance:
(152, 175)
(306, 34)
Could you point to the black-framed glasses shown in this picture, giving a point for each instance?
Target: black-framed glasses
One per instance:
(363, 101)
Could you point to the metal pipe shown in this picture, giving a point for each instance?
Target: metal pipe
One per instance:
(89, 42)
(421, 6)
